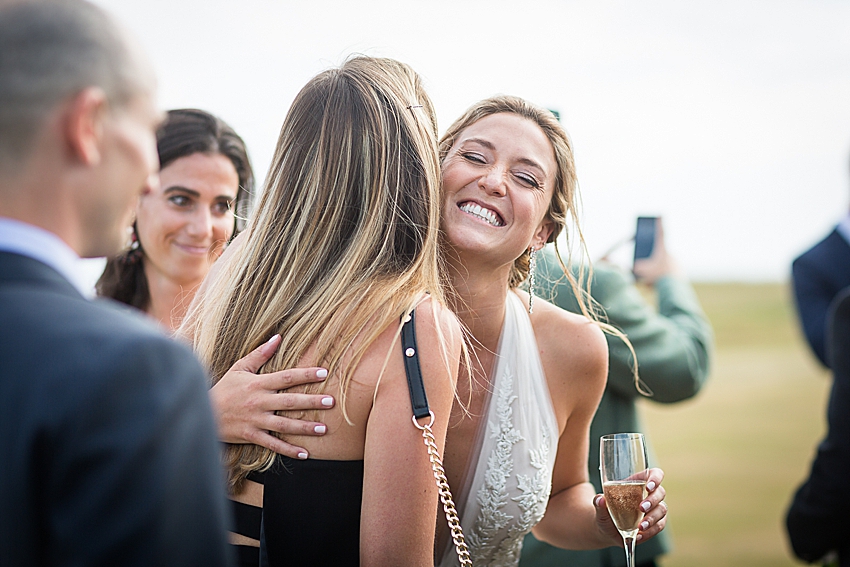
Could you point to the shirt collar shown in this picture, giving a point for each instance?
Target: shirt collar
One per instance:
(36, 243)
(843, 228)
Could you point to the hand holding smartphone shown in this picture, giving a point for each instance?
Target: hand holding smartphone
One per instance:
(652, 260)
(645, 237)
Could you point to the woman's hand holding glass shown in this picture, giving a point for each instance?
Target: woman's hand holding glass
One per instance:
(630, 490)
(245, 402)
(655, 517)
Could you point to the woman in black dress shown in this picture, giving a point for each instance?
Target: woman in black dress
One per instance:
(342, 248)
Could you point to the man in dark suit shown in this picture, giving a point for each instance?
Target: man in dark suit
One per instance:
(818, 522)
(109, 454)
(819, 274)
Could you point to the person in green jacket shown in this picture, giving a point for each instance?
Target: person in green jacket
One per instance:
(673, 347)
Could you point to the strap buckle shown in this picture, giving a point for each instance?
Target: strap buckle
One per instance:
(424, 427)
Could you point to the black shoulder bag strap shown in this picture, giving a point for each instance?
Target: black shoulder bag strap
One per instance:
(419, 401)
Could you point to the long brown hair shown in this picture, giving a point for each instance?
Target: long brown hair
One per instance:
(345, 237)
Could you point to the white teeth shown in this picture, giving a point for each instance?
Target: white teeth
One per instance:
(484, 214)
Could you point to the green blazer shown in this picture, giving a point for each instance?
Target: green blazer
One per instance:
(672, 346)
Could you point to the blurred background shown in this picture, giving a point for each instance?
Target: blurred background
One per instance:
(734, 455)
(729, 118)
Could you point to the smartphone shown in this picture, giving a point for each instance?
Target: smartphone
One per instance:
(645, 237)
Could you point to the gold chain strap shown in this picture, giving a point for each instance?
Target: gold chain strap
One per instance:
(445, 492)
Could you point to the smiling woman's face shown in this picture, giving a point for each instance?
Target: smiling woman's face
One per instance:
(498, 180)
(184, 224)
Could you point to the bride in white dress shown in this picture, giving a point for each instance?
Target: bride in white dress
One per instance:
(517, 443)
(519, 448)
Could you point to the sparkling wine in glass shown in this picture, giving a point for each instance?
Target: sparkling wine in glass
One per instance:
(624, 469)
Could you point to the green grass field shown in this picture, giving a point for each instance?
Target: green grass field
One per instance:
(734, 455)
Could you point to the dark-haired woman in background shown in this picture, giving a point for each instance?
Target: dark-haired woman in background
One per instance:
(182, 226)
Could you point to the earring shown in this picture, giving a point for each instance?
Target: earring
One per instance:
(532, 264)
(134, 240)
(134, 250)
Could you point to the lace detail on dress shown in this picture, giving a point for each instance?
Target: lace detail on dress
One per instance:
(493, 495)
(488, 543)
(513, 474)
(532, 503)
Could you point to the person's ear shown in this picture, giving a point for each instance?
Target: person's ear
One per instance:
(541, 236)
(84, 125)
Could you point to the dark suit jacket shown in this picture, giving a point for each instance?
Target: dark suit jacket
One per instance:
(818, 520)
(108, 453)
(819, 274)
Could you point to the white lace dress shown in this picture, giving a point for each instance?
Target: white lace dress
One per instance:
(510, 488)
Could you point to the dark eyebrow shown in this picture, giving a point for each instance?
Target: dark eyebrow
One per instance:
(192, 192)
(489, 145)
(181, 189)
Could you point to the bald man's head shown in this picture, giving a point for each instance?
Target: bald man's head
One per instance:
(50, 50)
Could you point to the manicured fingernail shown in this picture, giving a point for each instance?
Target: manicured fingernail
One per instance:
(267, 346)
(650, 486)
(645, 506)
(327, 401)
(644, 525)
(320, 429)
(596, 500)
(639, 537)
(321, 373)
(302, 455)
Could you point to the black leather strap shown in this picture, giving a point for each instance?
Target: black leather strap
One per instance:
(410, 352)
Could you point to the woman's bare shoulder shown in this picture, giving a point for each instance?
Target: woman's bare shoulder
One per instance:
(560, 330)
(573, 348)
(438, 339)
(434, 317)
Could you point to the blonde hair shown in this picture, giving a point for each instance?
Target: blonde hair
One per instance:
(564, 198)
(563, 208)
(344, 239)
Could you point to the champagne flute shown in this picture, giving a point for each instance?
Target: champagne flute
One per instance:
(623, 465)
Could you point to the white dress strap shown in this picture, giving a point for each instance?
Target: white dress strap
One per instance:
(513, 475)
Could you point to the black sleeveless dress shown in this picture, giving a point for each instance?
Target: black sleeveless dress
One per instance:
(311, 508)
(248, 521)
(311, 513)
